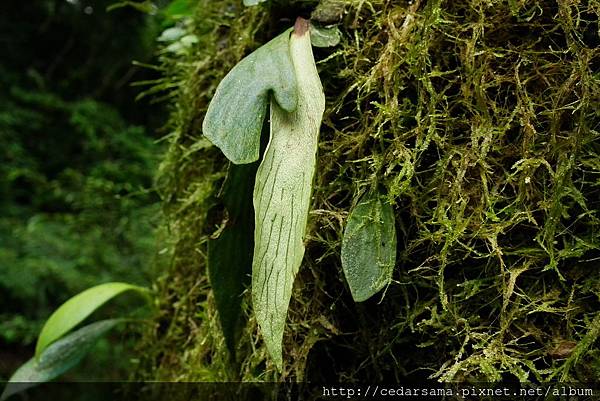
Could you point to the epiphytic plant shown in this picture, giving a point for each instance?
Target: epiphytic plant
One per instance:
(283, 75)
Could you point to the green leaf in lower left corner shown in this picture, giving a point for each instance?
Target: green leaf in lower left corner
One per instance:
(58, 357)
(76, 309)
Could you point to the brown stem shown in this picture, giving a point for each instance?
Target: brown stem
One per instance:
(301, 26)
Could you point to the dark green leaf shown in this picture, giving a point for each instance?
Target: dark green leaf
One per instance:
(178, 9)
(57, 358)
(230, 255)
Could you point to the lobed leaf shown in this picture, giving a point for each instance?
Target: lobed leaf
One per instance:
(282, 195)
(57, 358)
(235, 115)
(76, 309)
(369, 247)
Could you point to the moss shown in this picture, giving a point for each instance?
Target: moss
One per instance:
(480, 119)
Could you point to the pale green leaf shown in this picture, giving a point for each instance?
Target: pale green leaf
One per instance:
(282, 195)
(250, 3)
(76, 309)
(369, 247)
(235, 115)
(57, 358)
(171, 34)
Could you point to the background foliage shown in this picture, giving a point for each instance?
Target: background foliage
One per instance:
(478, 119)
(77, 158)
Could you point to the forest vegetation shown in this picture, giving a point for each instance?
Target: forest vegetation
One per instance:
(465, 133)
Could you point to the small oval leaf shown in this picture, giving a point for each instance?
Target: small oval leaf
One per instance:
(57, 358)
(76, 309)
(369, 247)
(235, 115)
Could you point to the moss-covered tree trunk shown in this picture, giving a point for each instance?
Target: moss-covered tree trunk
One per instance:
(479, 121)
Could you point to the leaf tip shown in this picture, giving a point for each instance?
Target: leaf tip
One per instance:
(276, 352)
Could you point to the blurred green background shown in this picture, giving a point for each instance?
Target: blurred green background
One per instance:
(77, 158)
